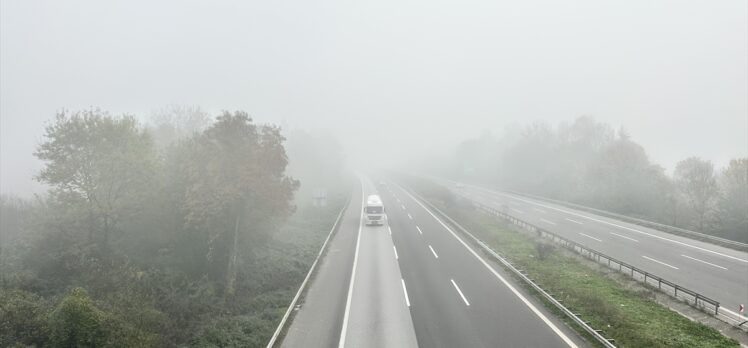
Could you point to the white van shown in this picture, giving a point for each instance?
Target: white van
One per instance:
(374, 210)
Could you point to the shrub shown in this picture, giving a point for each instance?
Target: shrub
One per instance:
(76, 322)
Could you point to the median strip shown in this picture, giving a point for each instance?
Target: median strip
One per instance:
(628, 315)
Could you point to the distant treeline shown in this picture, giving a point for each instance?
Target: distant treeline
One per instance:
(589, 163)
(152, 235)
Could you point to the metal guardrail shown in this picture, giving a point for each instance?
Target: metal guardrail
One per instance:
(693, 298)
(597, 334)
(291, 306)
(641, 222)
(658, 226)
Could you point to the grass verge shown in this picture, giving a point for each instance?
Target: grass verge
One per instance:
(631, 317)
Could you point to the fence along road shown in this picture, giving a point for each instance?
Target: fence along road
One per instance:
(716, 272)
(457, 297)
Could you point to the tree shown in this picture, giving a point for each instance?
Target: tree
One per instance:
(176, 122)
(98, 166)
(697, 184)
(733, 202)
(622, 179)
(236, 187)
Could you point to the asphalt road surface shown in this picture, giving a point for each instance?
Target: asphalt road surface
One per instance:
(415, 282)
(716, 272)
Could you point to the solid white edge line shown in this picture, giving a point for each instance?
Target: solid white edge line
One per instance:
(405, 292)
(660, 262)
(702, 261)
(590, 237)
(419, 230)
(292, 305)
(344, 329)
(619, 226)
(548, 222)
(735, 314)
(395, 249)
(540, 210)
(519, 211)
(460, 292)
(524, 300)
(574, 221)
(622, 236)
(433, 252)
(389, 229)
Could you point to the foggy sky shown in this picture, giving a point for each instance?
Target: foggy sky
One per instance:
(402, 77)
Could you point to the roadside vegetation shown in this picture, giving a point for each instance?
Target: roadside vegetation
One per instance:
(629, 316)
(590, 163)
(184, 234)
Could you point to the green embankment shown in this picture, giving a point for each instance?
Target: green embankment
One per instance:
(631, 317)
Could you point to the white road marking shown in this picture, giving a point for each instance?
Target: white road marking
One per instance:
(548, 222)
(419, 230)
(344, 329)
(622, 227)
(405, 291)
(660, 262)
(540, 210)
(740, 317)
(389, 229)
(522, 298)
(410, 217)
(590, 237)
(460, 292)
(402, 206)
(433, 252)
(702, 261)
(622, 236)
(519, 211)
(395, 249)
(574, 221)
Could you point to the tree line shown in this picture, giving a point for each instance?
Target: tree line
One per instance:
(147, 233)
(589, 163)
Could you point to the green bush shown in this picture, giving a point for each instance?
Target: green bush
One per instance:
(76, 322)
(22, 319)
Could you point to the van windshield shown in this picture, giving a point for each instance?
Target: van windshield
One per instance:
(374, 210)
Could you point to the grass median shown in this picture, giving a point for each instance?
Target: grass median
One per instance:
(630, 316)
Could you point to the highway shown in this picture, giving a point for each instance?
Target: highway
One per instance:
(415, 282)
(716, 272)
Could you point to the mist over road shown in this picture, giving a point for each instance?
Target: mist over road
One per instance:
(416, 283)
